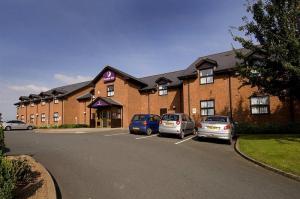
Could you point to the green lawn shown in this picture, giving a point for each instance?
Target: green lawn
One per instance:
(279, 151)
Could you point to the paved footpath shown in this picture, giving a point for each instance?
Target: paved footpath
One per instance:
(115, 164)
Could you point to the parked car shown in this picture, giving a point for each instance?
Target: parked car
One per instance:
(144, 123)
(220, 127)
(176, 123)
(16, 124)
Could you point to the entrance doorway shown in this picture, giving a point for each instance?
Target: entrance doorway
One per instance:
(103, 119)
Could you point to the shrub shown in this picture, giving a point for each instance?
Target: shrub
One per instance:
(73, 126)
(7, 184)
(268, 128)
(2, 145)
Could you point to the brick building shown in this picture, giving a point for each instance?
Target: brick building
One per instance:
(209, 86)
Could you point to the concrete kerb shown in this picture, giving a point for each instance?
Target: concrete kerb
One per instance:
(74, 130)
(278, 171)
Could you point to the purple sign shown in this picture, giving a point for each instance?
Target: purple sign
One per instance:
(109, 76)
(99, 103)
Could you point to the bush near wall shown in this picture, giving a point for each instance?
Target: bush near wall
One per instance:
(2, 145)
(65, 126)
(268, 128)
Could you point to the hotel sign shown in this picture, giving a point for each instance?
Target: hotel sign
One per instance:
(99, 103)
(109, 76)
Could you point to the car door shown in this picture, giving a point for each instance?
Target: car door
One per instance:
(14, 124)
(190, 124)
(22, 125)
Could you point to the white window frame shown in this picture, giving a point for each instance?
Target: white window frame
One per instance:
(163, 89)
(207, 107)
(43, 103)
(31, 118)
(260, 105)
(56, 101)
(206, 76)
(32, 104)
(43, 117)
(55, 116)
(110, 90)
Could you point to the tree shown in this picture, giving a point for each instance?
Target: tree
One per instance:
(272, 39)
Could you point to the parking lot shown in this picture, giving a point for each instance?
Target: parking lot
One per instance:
(116, 164)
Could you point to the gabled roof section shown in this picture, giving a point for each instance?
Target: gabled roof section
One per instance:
(152, 80)
(225, 61)
(103, 101)
(121, 73)
(65, 91)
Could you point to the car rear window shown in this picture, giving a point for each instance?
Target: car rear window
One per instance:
(139, 118)
(216, 119)
(170, 117)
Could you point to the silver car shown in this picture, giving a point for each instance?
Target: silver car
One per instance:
(220, 127)
(16, 124)
(176, 123)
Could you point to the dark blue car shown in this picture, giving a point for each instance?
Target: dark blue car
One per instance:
(144, 123)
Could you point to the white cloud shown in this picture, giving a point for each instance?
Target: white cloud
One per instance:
(71, 79)
(28, 88)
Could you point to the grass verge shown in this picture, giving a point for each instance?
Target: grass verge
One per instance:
(279, 151)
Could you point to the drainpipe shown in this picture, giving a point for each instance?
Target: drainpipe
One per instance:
(48, 112)
(230, 97)
(62, 111)
(189, 105)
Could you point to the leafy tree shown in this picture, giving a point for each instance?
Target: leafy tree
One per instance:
(272, 38)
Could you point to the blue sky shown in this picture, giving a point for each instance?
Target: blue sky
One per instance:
(48, 43)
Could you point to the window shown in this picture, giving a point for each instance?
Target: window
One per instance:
(32, 118)
(55, 117)
(207, 107)
(259, 105)
(110, 91)
(22, 118)
(163, 89)
(206, 76)
(43, 103)
(55, 101)
(22, 105)
(31, 104)
(163, 111)
(43, 117)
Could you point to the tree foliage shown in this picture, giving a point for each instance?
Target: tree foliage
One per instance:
(272, 38)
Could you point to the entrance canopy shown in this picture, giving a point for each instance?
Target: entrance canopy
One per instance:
(100, 102)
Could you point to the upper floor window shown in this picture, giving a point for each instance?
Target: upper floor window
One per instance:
(55, 117)
(43, 103)
(207, 107)
(31, 104)
(23, 118)
(22, 106)
(163, 89)
(260, 105)
(110, 91)
(55, 101)
(206, 76)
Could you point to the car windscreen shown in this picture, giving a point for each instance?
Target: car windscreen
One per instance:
(139, 118)
(216, 119)
(170, 117)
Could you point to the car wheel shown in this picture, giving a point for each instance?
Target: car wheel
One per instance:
(181, 135)
(130, 131)
(149, 131)
(8, 128)
(29, 128)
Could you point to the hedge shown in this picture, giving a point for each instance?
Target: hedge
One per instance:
(268, 128)
(64, 126)
(2, 145)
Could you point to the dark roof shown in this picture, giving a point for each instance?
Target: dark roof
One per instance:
(127, 76)
(171, 76)
(85, 96)
(225, 61)
(108, 100)
(67, 90)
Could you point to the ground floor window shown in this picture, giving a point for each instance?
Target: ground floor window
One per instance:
(22, 118)
(207, 107)
(163, 111)
(259, 105)
(32, 118)
(55, 117)
(43, 117)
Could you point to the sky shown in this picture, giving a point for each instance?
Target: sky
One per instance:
(50, 43)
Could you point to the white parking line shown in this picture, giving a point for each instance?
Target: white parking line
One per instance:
(144, 137)
(185, 139)
(80, 132)
(115, 134)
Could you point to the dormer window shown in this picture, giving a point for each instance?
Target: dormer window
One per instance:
(22, 106)
(55, 101)
(162, 89)
(31, 104)
(206, 76)
(43, 103)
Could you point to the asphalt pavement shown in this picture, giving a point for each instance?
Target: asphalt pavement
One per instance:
(115, 164)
